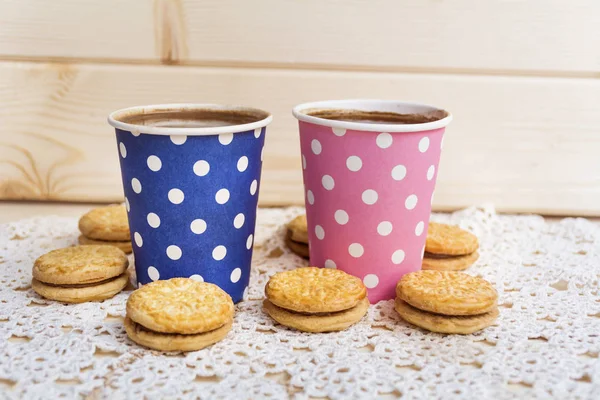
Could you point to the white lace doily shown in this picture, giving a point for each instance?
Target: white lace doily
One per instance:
(546, 343)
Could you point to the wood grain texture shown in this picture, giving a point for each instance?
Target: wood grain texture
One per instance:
(518, 37)
(524, 144)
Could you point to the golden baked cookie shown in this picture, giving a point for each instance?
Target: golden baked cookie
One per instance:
(450, 240)
(315, 290)
(180, 305)
(298, 229)
(321, 322)
(125, 245)
(81, 293)
(300, 249)
(449, 263)
(445, 323)
(447, 292)
(106, 223)
(80, 265)
(174, 341)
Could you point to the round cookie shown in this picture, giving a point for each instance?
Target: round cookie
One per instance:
(125, 245)
(80, 265)
(180, 305)
(173, 341)
(81, 293)
(315, 290)
(444, 323)
(298, 229)
(450, 263)
(300, 249)
(326, 322)
(106, 223)
(447, 292)
(450, 240)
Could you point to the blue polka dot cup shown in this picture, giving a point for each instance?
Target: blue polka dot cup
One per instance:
(191, 178)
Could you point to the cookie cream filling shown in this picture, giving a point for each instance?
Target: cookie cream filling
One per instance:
(84, 285)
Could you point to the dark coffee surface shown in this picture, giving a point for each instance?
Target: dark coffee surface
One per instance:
(192, 118)
(376, 117)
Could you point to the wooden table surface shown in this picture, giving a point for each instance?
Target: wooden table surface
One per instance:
(11, 211)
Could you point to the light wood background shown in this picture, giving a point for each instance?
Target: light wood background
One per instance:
(522, 79)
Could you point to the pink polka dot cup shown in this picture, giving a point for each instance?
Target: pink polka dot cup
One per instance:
(369, 187)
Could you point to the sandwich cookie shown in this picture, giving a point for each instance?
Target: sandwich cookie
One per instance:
(449, 248)
(106, 225)
(446, 302)
(179, 314)
(81, 273)
(315, 299)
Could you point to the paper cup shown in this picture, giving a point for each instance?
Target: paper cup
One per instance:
(191, 195)
(368, 190)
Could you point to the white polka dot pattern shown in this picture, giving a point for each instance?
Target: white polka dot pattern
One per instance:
(424, 144)
(153, 273)
(370, 197)
(191, 203)
(430, 172)
(122, 150)
(136, 185)
(341, 217)
(154, 163)
(235, 276)
(398, 172)
(338, 131)
(354, 163)
(153, 220)
(398, 256)
(367, 196)
(242, 163)
(316, 147)
(176, 196)
(201, 168)
(198, 226)
(225, 138)
(137, 238)
(219, 252)
(385, 228)
(384, 140)
(222, 196)
(328, 182)
(174, 252)
(238, 222)
(178, 139)
(411, 202)
(310, 197)
(371, 281)
(319, 232)
(356, 250)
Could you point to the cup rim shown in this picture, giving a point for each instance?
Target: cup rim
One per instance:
(372, 105)
(204, 131)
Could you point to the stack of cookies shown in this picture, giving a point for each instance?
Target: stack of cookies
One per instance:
(297, 236)
(81, 273)
(106, 225)
(314, 299)
(446, 302)
(449, 248)
(179, 314)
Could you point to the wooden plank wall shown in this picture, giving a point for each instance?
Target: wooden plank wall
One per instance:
(522, 79)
